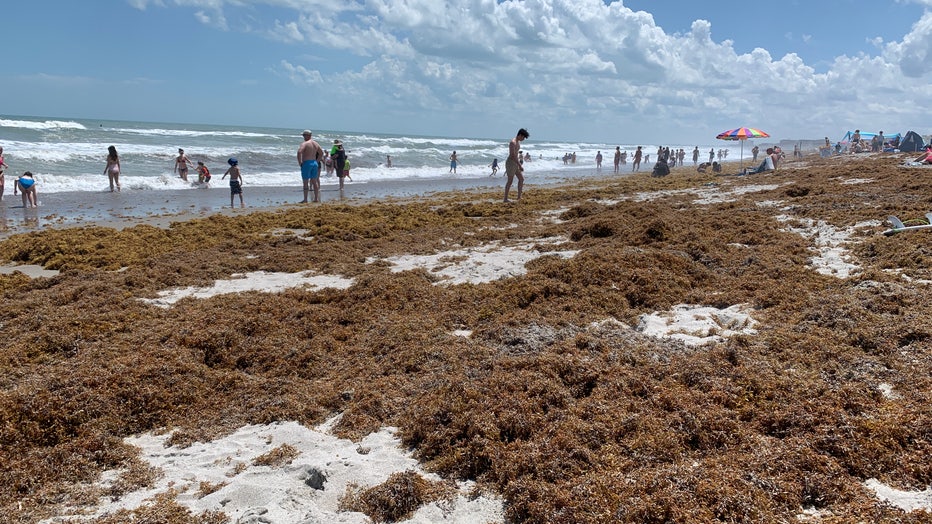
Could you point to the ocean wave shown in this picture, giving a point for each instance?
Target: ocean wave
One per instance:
(41, 126)
(190, 133)
(437, 141)
(52, 152)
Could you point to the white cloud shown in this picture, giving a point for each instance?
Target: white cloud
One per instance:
(287, 32)
(914, 52)
(581, 66)
(300, 74)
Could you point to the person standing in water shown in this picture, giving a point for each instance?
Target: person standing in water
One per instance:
(453, 163)
(113, 168)
(26, 184)
(513, 165)
(309, 158)
(181, 164)
(338, 154)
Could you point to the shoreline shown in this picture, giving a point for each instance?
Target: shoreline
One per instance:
(129, 208)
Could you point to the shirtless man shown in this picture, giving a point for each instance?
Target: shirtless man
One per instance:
(513, 167)
(309, 157)
(181, 164)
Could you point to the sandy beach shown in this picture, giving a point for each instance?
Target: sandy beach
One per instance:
(692, 348)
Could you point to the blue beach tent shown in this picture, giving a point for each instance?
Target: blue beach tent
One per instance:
(845, 142)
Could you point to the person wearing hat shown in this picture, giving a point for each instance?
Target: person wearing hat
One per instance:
(236, 181)
(310, 155)
(338, 154)
(181, 164)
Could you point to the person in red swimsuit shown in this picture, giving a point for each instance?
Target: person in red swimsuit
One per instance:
(926, 157)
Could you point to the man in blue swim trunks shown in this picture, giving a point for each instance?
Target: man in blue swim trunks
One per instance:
(309, 157)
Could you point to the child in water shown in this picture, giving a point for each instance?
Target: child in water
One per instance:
(203, 174)
(236, 181)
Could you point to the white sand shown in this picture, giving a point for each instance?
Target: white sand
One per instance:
(855, 181)
(30, 270)
(477, 265)
(698, 325)
(829, 242)
(905, 500)
(253, 281)
(250, 493)
(710, 194)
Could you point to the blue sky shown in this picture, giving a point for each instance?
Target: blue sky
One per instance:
(676, 71)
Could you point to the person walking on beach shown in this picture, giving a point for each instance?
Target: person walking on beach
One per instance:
(3, 166)
(494, 166)
(236, 181)
(513, 165)
(636, 163)
(181, 164)
(598, 161)
(338, 155)
(309, 157)
(696, 155)
(453, 163)
(26, 185)
(113, 168)
(617, 157)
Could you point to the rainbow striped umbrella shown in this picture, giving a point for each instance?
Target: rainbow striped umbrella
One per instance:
(741, 134)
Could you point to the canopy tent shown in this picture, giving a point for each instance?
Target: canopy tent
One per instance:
(912, 142)
(846, 141)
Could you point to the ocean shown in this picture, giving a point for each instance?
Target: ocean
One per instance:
(69, 155)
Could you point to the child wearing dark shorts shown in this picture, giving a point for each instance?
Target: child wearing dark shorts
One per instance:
(236, 181)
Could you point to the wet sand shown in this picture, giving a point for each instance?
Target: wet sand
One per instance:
(160, 208)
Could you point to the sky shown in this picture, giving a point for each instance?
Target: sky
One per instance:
(628, 71)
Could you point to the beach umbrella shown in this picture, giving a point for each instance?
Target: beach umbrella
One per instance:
(741, 134)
